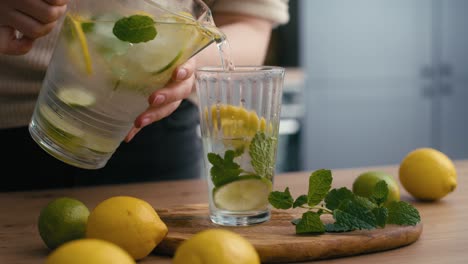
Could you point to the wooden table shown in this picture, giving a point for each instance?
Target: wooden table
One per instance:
(444, 239)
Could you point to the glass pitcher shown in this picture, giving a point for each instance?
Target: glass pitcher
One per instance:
(109, 57)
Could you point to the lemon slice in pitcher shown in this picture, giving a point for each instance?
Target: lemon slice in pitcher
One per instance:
(245, 194)
(77, 29)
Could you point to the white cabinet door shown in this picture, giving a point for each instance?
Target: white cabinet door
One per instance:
(364, 91)
(454, 78)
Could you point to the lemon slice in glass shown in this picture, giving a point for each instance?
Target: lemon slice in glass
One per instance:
(244, 194)
(235, 124)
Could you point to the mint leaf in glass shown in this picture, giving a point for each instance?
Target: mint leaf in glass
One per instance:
(310, 223)
(224, 170)
(135, 29)
(281, 200)
(319, 185)
(402, 213)
(262, 152)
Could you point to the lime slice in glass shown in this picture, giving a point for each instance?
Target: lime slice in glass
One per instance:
(76, 96)
(245, 194)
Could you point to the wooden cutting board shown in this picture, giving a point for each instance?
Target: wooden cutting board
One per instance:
(276, 241)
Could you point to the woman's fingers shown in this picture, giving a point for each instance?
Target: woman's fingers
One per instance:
(42, 11)
(179, 88)
(152, 114)
(11, 45)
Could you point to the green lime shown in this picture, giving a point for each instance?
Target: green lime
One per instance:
(62, 220)
(246, 193)
(76, 96)
(364, 185)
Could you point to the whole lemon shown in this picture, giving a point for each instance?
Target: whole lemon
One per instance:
(62, 220)
(89, 251)
(216, 246)
(364, 185)
(129, 222)
(428, 174)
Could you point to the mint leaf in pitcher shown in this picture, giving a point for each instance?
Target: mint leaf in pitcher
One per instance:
(135, 29)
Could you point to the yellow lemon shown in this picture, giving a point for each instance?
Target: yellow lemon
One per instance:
(216, 246)
(62, 220)
(235, 124)
(364, 185)
(129, 222)
(89, 251)
(428, 174)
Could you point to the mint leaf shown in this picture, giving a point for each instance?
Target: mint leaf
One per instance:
(381, 214)
(301, 200)
(319, 185)
(281, 200)
(402, 213)
(351, 215)
(380, 192)
(336, 228)
(223, 170)
(262, 152)
(296, 221)
(135, 29)
(310, 223)
(336, 196)
(364, 202)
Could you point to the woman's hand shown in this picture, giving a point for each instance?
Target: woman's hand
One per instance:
(33, 18)
(166, 100)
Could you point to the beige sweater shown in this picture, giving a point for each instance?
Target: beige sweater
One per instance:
(21, 76)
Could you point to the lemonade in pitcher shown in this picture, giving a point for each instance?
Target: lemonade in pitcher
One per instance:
(109, 58)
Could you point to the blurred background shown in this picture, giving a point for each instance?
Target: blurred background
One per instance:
(368, 81)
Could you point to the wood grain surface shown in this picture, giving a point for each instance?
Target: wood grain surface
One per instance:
(276, 241)
(444, 239)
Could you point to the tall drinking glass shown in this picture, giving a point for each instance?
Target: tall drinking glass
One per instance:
(110, 56)
(240, 115)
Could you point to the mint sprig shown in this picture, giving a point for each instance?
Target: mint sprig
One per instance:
(135, 29)
(226, 169)
(262, 152)
(350, 211)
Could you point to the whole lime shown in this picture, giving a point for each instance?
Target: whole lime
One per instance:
(62, 220)
(364, 185)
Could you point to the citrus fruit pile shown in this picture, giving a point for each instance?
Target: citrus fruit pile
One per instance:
(426, 174)
(119, 228)
(124, 230)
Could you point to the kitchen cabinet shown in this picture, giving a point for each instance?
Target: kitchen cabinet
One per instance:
(383, 77)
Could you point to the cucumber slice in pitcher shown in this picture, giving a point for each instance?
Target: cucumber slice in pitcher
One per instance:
(75, 96)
